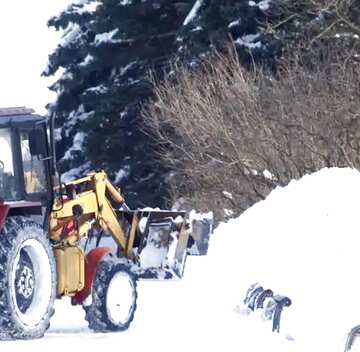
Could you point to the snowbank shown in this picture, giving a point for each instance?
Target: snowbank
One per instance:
(303, 242)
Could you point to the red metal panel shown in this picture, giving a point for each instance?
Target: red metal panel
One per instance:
(4, 210)
(92, 260)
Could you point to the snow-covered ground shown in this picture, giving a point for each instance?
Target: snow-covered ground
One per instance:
(302, 241)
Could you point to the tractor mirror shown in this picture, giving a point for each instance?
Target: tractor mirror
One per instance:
(37, 142)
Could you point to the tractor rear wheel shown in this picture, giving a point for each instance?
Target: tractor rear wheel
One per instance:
(113, 297)
(27, 280)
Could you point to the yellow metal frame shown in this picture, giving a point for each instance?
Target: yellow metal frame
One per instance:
(93, 202)
(95, 206)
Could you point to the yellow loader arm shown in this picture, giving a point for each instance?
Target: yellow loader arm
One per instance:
(89, 203)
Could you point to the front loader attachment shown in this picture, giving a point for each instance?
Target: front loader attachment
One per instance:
(155, 241)
(159, 241)
(200, 227)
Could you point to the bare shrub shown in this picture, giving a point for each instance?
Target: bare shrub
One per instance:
(229, 136)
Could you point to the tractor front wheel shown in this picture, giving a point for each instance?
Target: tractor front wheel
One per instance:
(27, 280)
(113, 297)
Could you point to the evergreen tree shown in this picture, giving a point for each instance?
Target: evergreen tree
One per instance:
(109, 46)
(107, 51)
(263, 29)
(214, 23)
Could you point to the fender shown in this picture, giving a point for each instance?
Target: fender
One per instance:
(4, 211)
(93, 258)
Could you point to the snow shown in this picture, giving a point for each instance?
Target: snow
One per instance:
(234, 23)
(249, 41)
(197, 29)
(106, 37)
(227, 194)
(302, 241)
(57, 134)
(121, 174)
(129, 66)
(228, 212)
(262, 5)
(267, 174)
(71, 33)
(76, 116)
(86, 6)
(347, 35)
(76, 173)
(88, 59)
(100, 89)
(153, 255)
(77, 145)
(193, 215)
(193, 13)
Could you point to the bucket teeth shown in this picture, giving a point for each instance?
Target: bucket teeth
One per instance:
(255, 299)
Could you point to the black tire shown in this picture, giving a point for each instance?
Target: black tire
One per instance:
(27, 280)
(100, 312)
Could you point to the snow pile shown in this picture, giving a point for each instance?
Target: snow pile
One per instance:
(302, 242)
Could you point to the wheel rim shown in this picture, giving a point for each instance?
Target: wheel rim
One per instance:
(24, 282)
(31, 280)
(120, 298)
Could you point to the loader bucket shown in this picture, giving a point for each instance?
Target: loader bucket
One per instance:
(201, 226)
(163, 240)
(164, 243)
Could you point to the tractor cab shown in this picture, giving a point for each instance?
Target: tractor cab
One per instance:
(24, 158)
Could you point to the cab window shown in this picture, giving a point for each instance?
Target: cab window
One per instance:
(34, 168)
(8, 189)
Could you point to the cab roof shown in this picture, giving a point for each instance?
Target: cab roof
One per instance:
(19, 116)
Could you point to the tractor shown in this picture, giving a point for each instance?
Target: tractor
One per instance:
(77, 239)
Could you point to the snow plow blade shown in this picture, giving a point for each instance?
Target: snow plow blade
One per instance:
(163, 239)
